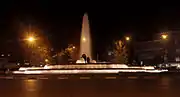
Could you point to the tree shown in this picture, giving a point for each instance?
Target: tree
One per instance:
(40, 54)
(67, 54)
(71, 52)
(120, 52)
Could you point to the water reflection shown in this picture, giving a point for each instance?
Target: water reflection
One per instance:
(31, 88)
(165, 82)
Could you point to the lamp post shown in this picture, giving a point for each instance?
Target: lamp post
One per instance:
(31, 40)
(164, 39)
(127, 39)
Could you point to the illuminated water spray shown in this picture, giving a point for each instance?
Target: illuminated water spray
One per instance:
(85, 42)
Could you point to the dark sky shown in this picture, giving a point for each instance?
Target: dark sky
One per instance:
(60, 22)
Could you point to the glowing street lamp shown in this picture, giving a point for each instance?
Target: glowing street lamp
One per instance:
(164, 36)
(31, 39)
(165, 58)
(127, 38)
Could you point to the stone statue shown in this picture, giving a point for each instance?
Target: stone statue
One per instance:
(85, 58)
(88, 60)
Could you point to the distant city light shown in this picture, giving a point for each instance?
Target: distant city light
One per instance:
(2, 55)
(74, 47)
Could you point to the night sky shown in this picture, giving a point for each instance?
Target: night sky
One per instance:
(60, 22)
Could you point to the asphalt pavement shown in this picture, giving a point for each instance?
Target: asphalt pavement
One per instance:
(105, 85)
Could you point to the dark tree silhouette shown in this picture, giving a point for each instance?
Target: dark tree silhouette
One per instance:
(120, 52)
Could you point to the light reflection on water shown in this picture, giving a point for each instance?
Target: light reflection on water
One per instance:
(165, 83)
(31, 87)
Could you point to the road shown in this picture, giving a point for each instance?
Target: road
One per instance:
(90, 86)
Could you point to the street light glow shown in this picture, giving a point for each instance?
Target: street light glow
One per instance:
(74, 47)
(164, 36)
(127, 38)
(31, 39)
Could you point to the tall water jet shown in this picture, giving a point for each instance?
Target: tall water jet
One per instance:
(85, 41)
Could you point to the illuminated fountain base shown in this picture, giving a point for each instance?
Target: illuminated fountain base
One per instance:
(86, 69)
(82, 61)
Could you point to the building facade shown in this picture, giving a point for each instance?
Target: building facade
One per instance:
(159, 50)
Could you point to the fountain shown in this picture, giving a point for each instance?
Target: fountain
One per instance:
(86, 56)
(85, 41)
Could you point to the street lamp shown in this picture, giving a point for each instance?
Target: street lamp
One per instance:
(165, 58)
(31, 39)
(128, 46)
(164, 36)
(127, 38)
